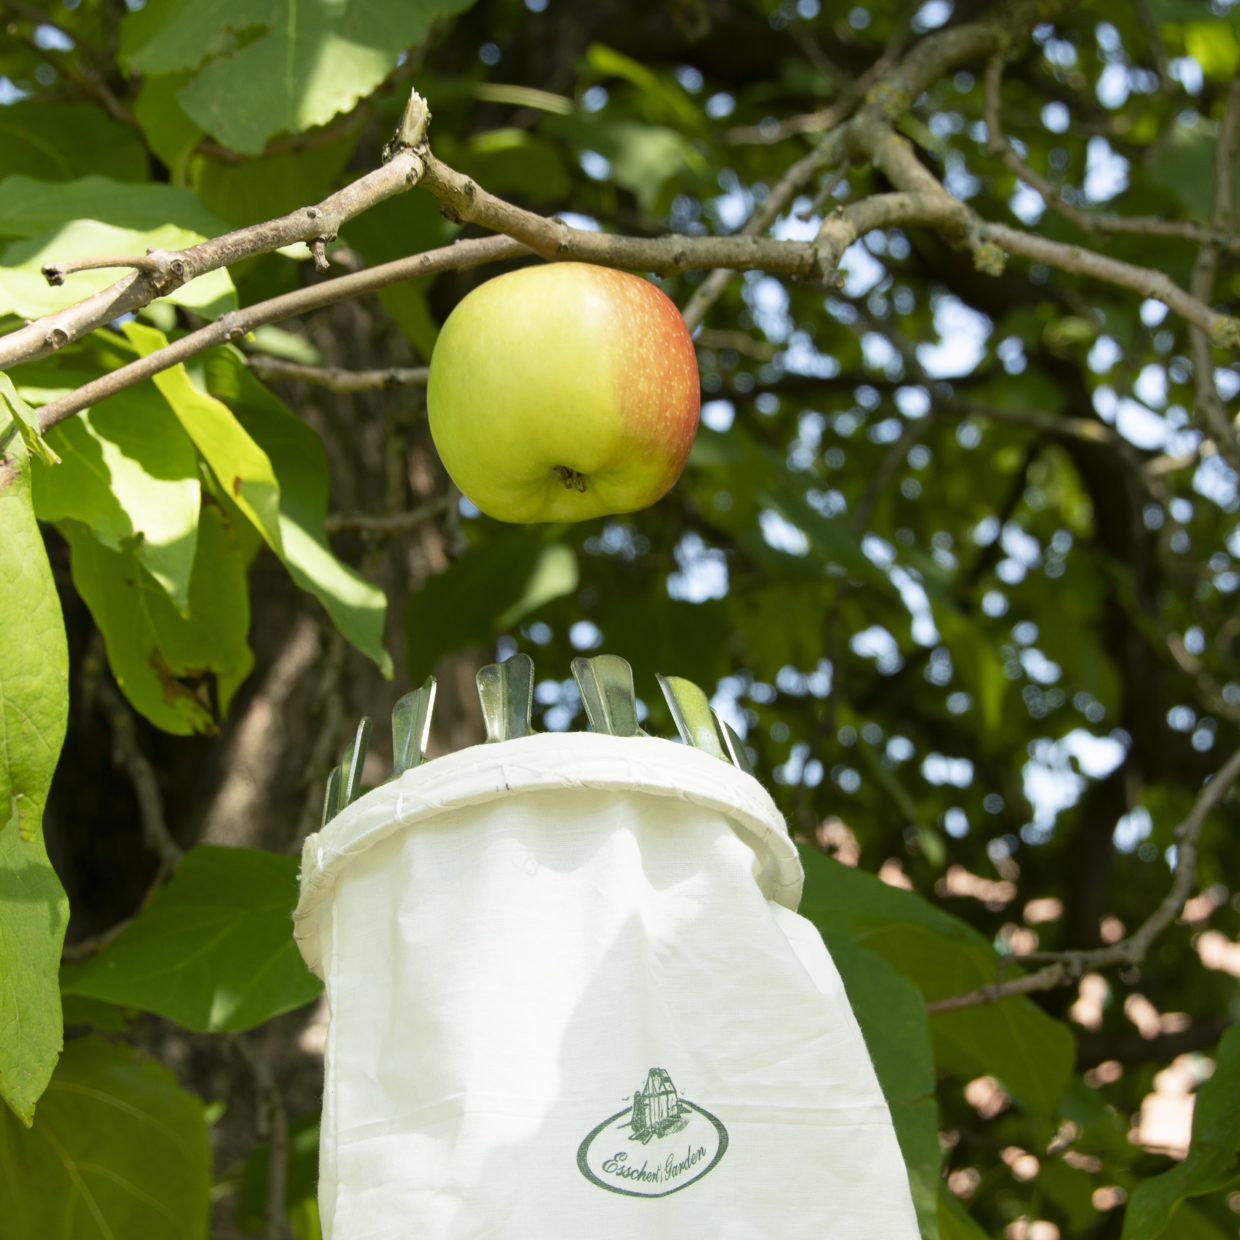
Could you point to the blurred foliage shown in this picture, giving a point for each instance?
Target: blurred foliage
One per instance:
(956, 551)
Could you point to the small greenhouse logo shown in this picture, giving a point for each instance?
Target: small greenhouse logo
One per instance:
(659, 1145)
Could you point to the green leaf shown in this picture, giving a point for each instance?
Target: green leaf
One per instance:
(297, 73)
(954, 1220)
(664, 96)
(831, 539)
(213, 950)
(33, 915)
(32, 208)
(1013, 1040)
(357, 607)
(488, 590)
(242, 468)
(1213, 46)
(130, 473)
(34, 703)
(1185, 166)
(93, 1014)
(1213, 1159)
(171, 134)
(892, 1016)
(118, 1150)
(179, 671)
(514, 162)
(261, 189)
(60, 141)
(15, 414)
(643, 158)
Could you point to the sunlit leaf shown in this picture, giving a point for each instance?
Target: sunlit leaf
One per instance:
(214, 949)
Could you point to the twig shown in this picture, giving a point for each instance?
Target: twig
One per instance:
(54, 273)
(825, 119)
(272, 1124)
(828, 188)
(389, 522)
(805, 169)
(739, 341)
(1065, 967)
(128, 757)
(998, 147)
(1222, 329)
(1207, 686)
(336, 378)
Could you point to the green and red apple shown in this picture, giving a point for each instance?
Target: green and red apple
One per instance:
(563, 392)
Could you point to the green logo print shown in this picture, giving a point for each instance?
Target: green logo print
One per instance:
(659, 1145)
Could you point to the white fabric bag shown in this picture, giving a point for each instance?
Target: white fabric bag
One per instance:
(571, 1000)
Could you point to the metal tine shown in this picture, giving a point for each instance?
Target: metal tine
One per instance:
(506, 691)
(605, 683)
(735, 746)
(411, 726)
(692, 715)
(353, 761)
(331, 798)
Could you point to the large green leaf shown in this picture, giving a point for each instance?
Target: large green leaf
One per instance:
(180, 671)
(296, 454)
(488, 590)
(954, 1220)
(34, 703)
(1213, 1160)
(242, 468)
(118, 1150)
(129, 472)
(892, 1016)
(302, 69)
(213, 950)
(33, 915)
(1013, 1040)
(31, 208)
(60, 141)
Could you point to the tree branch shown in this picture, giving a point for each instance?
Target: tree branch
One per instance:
(166, 270)
(998, 147)
(272, 1123)
(235, 325)
(336, 378)
(1201, 283)
(1066, 967)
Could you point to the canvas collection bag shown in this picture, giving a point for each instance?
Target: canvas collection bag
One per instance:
(571, 999)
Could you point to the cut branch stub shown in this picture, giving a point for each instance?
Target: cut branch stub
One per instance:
(506, 691)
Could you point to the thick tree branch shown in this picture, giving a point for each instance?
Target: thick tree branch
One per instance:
(1065, 967)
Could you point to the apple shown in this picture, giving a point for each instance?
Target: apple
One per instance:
(563, 392)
